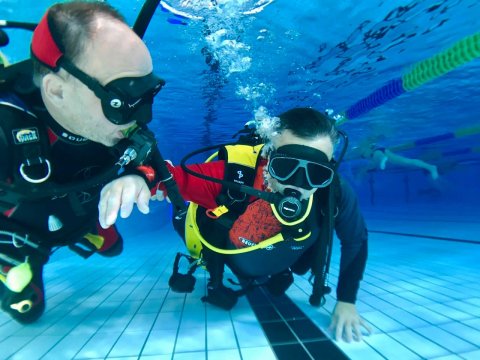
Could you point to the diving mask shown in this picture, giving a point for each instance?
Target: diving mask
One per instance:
(301, 166)
(123, 100)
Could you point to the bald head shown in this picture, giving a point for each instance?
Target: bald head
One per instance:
(114, 51)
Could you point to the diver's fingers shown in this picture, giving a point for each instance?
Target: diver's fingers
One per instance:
(143, 198)
(339, 329)
(134, 190)
(109, 204)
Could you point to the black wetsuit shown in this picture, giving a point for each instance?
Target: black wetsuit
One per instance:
(71, 216)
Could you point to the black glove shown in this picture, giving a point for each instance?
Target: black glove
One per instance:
(221, 296)
(279, 283)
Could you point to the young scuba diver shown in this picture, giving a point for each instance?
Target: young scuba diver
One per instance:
(62, 139)
(284, 218)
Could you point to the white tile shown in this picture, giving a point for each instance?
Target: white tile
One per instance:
(419, 344)
(194, 355)
(68, 347)
(390, 348)
(99, 345)
(36, 347)
(359, 350)
(250, 334)
(159, 342)
(221, 337)
(378, 303)
(474, 323)
(232, 354)
(406, 318)
(141, 322)
(255, 353)
(191, 339)
(167, 321)
(428, 315)
(13, 344)
(445, 339)
(474, 301)
(464, 306)
(155, 357)
(449, 357)
(464, 332)
(474, 355)
(382, 321)
(193, 318)
(174, 304)
(129, 344)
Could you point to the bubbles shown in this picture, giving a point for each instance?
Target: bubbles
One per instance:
(229, 53)
(267, 126)
(199, 9)
(339, 118)
(254, 93)
(224, 22)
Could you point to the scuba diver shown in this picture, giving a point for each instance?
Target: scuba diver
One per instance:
(73, 118)
(266, 207)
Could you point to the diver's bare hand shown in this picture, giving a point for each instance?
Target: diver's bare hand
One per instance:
(119, 196)
(347, 324)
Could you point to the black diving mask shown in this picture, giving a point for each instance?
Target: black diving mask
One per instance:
(123, 100)
(301, 166)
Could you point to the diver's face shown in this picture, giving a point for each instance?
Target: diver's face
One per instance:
(114, 52)
(321, 143)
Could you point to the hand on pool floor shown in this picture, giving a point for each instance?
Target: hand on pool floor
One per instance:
(347, 324)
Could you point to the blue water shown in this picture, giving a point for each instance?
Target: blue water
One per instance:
(324, 54)
(419, 293)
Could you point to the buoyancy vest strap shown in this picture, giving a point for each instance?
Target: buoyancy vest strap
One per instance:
(241, 163)
(323, 248)
(28, 141)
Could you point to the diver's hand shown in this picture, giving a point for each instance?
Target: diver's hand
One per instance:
(346, 323)
(120, 195)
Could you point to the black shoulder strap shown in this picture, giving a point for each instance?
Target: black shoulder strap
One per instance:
(24, 139)
(238, 171)
(328, 200)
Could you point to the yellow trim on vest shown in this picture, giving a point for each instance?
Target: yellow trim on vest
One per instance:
(303, 237)
(261, 245)
(3, 279)
(192, 233)
(96, 240)
(283, 222)
(218, 211)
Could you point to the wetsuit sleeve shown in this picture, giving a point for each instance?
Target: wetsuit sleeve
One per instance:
(351, 229)
(199, 191)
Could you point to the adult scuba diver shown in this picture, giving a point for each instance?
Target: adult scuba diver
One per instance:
(73, 117)
(267, 207)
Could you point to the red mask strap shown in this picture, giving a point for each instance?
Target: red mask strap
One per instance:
(44, 47)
